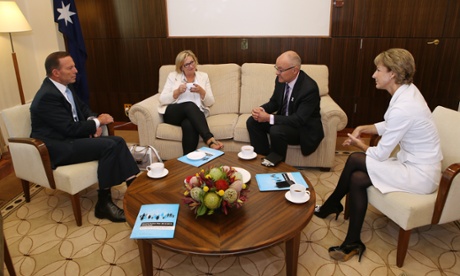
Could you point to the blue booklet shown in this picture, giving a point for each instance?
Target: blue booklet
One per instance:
(208, 155)
(267, 181)
(156, 221)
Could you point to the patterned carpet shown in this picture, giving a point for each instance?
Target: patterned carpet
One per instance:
(43, 239)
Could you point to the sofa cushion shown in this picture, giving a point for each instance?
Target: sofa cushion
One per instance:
(261, 78)
(221, 127)
(241, 133)
(225, 83)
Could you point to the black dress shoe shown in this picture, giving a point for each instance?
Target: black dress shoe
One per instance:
(108, 210)
(322, 212)
(344, 252)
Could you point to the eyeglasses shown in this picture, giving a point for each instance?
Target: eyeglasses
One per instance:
(282, 70)
(187, 65)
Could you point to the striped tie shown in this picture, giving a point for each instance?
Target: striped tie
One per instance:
(284, 109)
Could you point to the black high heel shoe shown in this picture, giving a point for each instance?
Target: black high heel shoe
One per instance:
(344, 252)
(324, 212)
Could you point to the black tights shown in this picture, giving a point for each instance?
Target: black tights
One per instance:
(354, 181)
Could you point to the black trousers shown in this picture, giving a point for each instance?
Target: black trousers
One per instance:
(116, 162)
(192, 121)
(280, 137)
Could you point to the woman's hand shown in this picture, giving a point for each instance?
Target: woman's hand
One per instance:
(354, 136)
(354, 139)
(198, 89)
(181, 89)
(356, 142)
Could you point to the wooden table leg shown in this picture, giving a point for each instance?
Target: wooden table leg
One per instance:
(8, 261)
(145, 253)
(292, 255)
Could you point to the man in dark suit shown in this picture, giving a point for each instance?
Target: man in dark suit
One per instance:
(72, 133)
(291, 116)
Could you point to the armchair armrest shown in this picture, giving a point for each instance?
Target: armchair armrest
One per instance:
(447, 178)
(24, 153)
(145, 115)
(332, 113)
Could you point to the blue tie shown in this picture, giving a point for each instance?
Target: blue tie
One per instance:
(284, 109)
(72, 103)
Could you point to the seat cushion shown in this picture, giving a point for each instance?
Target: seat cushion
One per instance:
(241, 133)
(405, 209)
(76, 177)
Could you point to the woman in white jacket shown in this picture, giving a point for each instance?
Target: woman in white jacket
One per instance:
(185, 102)
(417, 166)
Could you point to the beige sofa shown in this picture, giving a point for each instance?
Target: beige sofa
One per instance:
(237, 89)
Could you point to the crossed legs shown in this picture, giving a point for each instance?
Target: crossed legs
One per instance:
(354, 181)
(193, 124)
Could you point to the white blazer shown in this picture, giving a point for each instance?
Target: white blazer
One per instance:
(409, 124)
(172, 83)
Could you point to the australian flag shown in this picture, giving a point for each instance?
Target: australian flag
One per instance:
(65, 14)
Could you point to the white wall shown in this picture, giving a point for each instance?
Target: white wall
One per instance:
(249, 17)
(31, 50)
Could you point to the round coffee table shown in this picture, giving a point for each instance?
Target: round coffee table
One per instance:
(265, 219)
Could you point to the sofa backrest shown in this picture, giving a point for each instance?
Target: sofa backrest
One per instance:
(225, 83)
(258, 82)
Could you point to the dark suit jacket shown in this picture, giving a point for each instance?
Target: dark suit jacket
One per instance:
(304, 111)
(52, 120)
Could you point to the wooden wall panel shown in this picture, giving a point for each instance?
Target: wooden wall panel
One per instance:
(346, 20)
(345, 73)
(127, 43)
(452, 25)
(408, 18)
(105, 19)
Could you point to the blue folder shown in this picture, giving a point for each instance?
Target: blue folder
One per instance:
(211, 154)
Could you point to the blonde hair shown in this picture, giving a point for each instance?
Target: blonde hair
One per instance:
(180, 58)
(400, 62)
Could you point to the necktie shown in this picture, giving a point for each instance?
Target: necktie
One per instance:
(284, 109)
(72, 103)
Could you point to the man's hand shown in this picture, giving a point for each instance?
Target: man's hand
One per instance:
(98, 132)
(259, 114)
(105, 119)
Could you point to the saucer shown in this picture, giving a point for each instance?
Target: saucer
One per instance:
(240, 155)
(246, 175)
(303, 200)
(165, 172)
(196, 155)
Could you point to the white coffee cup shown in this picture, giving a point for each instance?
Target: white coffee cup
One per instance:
(156, 168)
(298, 191)
(189, 85)
(247, 151)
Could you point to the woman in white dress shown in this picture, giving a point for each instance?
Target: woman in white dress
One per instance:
(417, 166)
(185, 102)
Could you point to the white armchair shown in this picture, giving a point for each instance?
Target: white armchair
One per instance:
(410, 211)
(31, 161)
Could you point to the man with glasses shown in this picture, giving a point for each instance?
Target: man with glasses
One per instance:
(291, 116)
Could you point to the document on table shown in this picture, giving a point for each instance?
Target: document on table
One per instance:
(209, 154)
